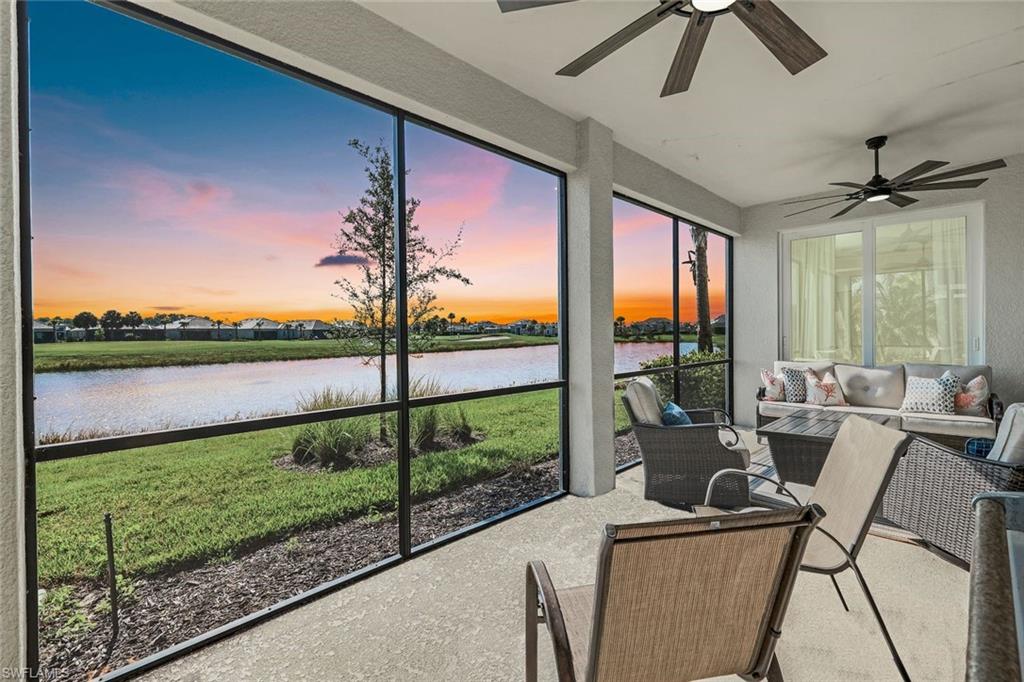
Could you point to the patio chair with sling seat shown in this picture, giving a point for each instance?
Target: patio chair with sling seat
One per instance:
(675, 600)
(850, 488)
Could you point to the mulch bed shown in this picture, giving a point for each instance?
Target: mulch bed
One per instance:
(627, 450)
(171, 608)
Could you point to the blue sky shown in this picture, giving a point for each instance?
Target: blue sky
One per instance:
(167, 175)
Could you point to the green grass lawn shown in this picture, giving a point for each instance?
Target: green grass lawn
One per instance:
(91, 355)
(186, 503)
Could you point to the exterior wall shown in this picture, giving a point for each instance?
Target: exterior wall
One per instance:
(756, 266)
(12, 456)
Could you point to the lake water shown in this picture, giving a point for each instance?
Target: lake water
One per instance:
(167, 397)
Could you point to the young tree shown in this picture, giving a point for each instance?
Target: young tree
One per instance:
(699, 269)
(366, 238)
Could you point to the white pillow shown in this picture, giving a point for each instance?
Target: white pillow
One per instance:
(931, 396)
(774, 386)
(824, 391)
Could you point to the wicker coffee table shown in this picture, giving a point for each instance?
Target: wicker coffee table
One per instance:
(799, 443)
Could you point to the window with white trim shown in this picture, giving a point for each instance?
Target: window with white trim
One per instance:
(903, 287)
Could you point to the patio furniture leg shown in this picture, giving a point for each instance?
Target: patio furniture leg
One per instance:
(532, 621)
(881, 623)
(839, 592)
(775, 670)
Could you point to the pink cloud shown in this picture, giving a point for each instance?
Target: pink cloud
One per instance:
(469, 187)
(640, 222)
(155, 194)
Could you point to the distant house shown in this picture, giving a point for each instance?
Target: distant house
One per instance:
(259, 329)
(307, 329)
(192, 329)
(655, 325)
(44, 332)
(719, 324)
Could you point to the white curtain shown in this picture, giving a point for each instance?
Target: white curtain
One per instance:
(921, 292)
(825, 309)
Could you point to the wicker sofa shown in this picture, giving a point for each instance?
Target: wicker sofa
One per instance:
(880, 390)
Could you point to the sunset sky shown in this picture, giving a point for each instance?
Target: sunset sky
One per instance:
(169, 177)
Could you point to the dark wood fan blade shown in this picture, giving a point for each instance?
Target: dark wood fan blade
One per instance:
(688, 53)
(815, 208)
(850, 184)
(619, 39)
(804, 201)
(966, 170)
(901, 200)
(919, 169)
(848, 208)
(780, 34)
(956, 184)
(513, 5)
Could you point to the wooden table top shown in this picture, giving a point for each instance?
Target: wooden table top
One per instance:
(816, 425)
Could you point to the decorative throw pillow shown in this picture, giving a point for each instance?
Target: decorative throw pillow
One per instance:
(972, 398)
(823, 391)
(932, 396)
(796, 385)
(774, 387)
(673, 415)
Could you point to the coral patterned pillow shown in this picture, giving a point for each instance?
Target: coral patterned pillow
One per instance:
(972, 398)
(825, 391)
(774, 387)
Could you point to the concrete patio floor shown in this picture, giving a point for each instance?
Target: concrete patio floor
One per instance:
(456, 613)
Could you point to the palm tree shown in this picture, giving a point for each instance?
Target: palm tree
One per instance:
(236, 325)
(620, 322)
(259, 329)
(300, 326)
(699, 268)
(217, 325)
(183, 325)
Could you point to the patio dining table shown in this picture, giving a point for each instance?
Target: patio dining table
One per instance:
(799, 442)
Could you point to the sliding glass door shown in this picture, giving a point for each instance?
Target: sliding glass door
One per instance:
(901, 288)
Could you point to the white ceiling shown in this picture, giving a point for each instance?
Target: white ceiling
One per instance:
(945, 80)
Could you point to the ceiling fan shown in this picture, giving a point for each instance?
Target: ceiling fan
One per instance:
(879, 188)
(783, 38)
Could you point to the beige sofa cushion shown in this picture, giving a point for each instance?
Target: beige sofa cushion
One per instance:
(819, 367)
(949, 425)
(767, 408)
(872, 386)
(963, 372)
(643, 401)
(1009, 445)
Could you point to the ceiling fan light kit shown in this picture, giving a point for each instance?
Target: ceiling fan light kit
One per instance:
(776, 31)
(880, 188)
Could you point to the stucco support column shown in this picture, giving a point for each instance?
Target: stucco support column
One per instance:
(12, 540)
(591, 416)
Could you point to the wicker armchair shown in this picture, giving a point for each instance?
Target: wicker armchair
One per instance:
(679, 461)
(930, 494)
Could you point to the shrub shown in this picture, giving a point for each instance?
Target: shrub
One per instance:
(423, 427)
(698, 386)
(457, 426)
(333, 444)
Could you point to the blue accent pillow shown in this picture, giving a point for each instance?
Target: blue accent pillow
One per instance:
(979, 447)
(673, 415)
